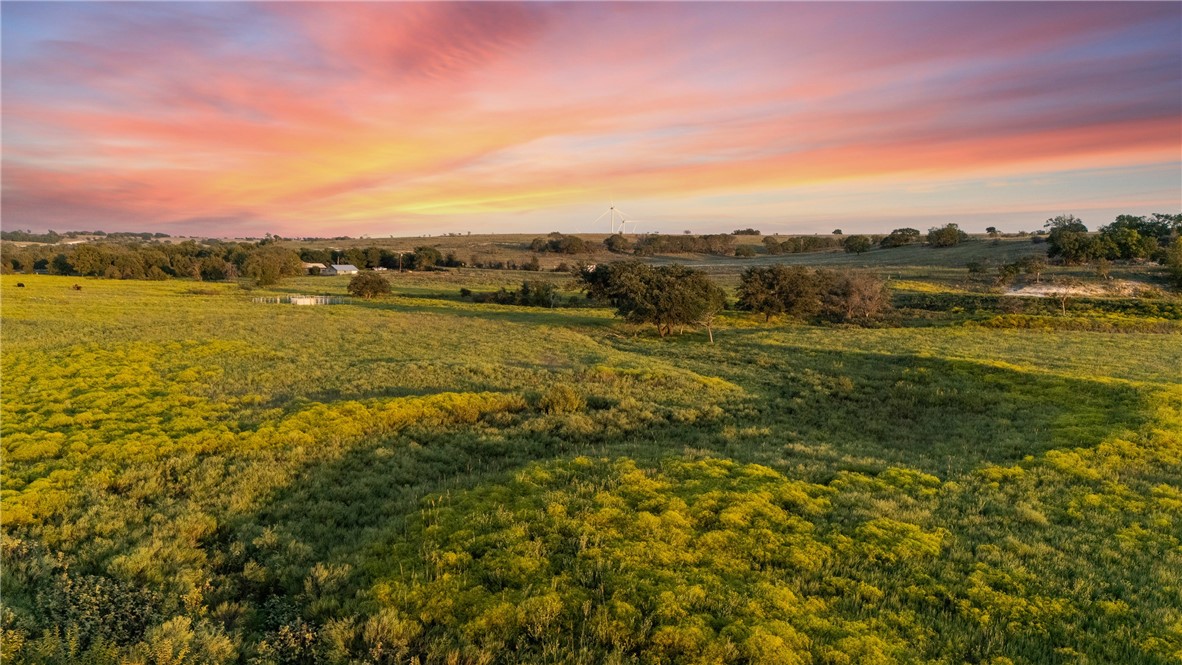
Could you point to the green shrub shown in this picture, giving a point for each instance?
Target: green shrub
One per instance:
(561, 399)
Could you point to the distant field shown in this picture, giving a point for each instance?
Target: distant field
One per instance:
(516, 247)
(191, 475)
(942, 267)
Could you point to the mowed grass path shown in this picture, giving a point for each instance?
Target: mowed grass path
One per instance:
(258, 466)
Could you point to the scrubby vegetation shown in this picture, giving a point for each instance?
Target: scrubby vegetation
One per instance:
(719, 244)
(948, 235)
(900, 237)
(531, 293)
(1128, 237)
(560, 244)
(801, 293)
(801, 244)
(980, 479)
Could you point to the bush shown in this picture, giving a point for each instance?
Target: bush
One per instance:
(618, 244)
(560, 244)
(561, 399)
(900, 237)
(368, 284)
(853, 296)
(946, 236)
(856, 244)
(533, 293)
(798, 292)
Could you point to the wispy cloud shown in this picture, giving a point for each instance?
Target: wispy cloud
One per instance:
(397, 117)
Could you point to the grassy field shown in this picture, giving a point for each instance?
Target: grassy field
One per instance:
(944, 268)
(516, 247)
(190, 476)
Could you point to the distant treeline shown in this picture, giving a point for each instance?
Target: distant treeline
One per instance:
(801, 244)
(718, 244)
(53, 237)
(560, 244)
(1128, 237)
(206, 261)
(422, 258)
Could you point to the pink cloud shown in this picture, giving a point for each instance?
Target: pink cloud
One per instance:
(320, 112)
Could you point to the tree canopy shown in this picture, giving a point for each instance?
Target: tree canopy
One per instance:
(802, 293)
(665, 296)
(948, 235)
(367, 284)
(900, 237)
(857, 244)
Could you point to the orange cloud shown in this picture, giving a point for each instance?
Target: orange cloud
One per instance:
(324, 114)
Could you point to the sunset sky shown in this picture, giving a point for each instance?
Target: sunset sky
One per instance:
(406, 119)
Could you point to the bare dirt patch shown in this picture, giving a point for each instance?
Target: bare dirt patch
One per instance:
(1122, 288)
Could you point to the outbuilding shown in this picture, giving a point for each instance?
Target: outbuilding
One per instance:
(340, 269)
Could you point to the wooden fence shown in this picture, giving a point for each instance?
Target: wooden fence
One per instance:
(301, 300)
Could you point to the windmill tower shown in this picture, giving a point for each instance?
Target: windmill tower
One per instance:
(611, 213)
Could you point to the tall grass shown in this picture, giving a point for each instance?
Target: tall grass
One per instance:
(190, 475)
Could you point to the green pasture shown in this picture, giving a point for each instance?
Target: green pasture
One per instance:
(190, 476)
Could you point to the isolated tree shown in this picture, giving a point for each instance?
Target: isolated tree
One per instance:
(948, 235)
(1064, 291)
(857, 244)
(368, 284)
(992, 231)
(666, 297)
(900, 237)
(836, 232)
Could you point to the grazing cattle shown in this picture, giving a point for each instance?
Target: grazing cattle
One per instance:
(20, 285)
(77, 287)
